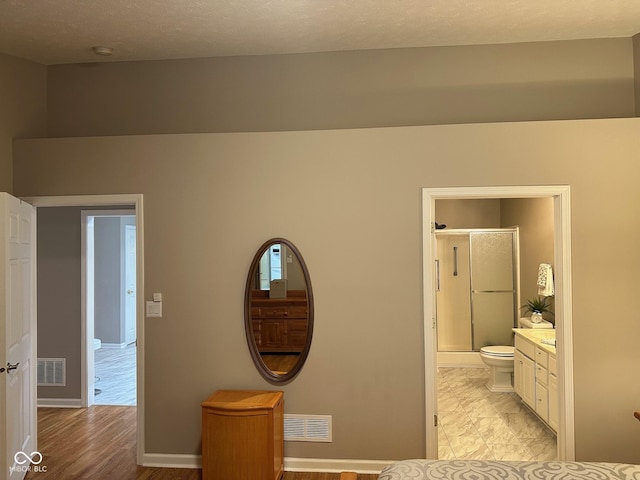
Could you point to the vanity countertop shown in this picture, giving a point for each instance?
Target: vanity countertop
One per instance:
(536, 336)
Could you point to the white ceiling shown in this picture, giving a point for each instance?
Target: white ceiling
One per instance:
(63, 31)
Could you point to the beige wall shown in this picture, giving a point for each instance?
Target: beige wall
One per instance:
(59, 283)
(352, 194)
(412, 86)
(534, 216)
(22, 108)
(468, 213)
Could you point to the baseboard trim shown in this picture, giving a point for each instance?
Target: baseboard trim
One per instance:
(291, 464)
(60, 402)
(330, 465)
(460, 359)
(114, 345)
(168, 460)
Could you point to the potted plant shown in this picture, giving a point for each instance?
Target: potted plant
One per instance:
(537, 307)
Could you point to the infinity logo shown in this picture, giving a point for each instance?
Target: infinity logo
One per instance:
(21, 458)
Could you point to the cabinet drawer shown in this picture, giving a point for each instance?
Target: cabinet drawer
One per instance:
(553, 368)
(274, 312)
(279, 311)
(542, 357)
(542, 375)
(525, 347)
(297, 311)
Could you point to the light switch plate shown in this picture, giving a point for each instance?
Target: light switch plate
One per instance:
(157, 297)
(154, 309)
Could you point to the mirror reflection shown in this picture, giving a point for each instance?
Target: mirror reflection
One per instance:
(278, 310)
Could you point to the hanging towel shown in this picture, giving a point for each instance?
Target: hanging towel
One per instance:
(545, 280)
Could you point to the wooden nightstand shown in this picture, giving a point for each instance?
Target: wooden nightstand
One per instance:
(243, 435)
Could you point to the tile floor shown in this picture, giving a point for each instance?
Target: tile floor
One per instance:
(475, 423)
(116, 376)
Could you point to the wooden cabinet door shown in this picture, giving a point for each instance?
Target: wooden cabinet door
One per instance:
(273, 333)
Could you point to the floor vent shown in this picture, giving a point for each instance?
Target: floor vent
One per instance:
(307, 428)
(51, 372)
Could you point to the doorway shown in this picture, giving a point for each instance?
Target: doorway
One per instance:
(109, 291)
(562, 260)
(134, 201)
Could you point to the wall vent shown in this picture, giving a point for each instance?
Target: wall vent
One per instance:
(52, 372)
(307, 428)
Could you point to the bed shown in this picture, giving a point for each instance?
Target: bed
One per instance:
(507, 470)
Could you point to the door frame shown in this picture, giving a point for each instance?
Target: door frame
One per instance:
(135, 200)
(124, 294)
(564, 333)
(87, 364)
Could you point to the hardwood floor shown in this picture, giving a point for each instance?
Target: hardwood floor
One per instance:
(322, 476)
(99, 443)
(280, 363)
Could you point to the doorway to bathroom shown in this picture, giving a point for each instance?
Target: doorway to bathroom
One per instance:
(558, 196)
(109, 268)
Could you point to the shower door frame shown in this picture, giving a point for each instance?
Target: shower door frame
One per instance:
(515, 252)
(564, 330)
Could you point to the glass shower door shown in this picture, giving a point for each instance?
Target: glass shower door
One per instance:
(452, 294)
(492, 288)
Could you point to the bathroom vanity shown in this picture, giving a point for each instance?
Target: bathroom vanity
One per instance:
(535, 377)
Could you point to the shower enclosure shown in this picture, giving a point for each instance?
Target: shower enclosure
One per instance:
(477, 288)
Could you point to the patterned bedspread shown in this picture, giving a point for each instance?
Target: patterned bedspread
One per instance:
(504, 470)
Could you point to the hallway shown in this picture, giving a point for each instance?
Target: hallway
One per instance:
(115, 376)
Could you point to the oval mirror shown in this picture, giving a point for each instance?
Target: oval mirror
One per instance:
(278, 311)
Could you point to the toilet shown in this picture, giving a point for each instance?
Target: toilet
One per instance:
(500, 359)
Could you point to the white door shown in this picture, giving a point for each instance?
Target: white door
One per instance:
(18, 419)
(130, 283)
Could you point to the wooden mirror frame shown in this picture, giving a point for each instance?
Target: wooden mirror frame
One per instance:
(267, 374)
